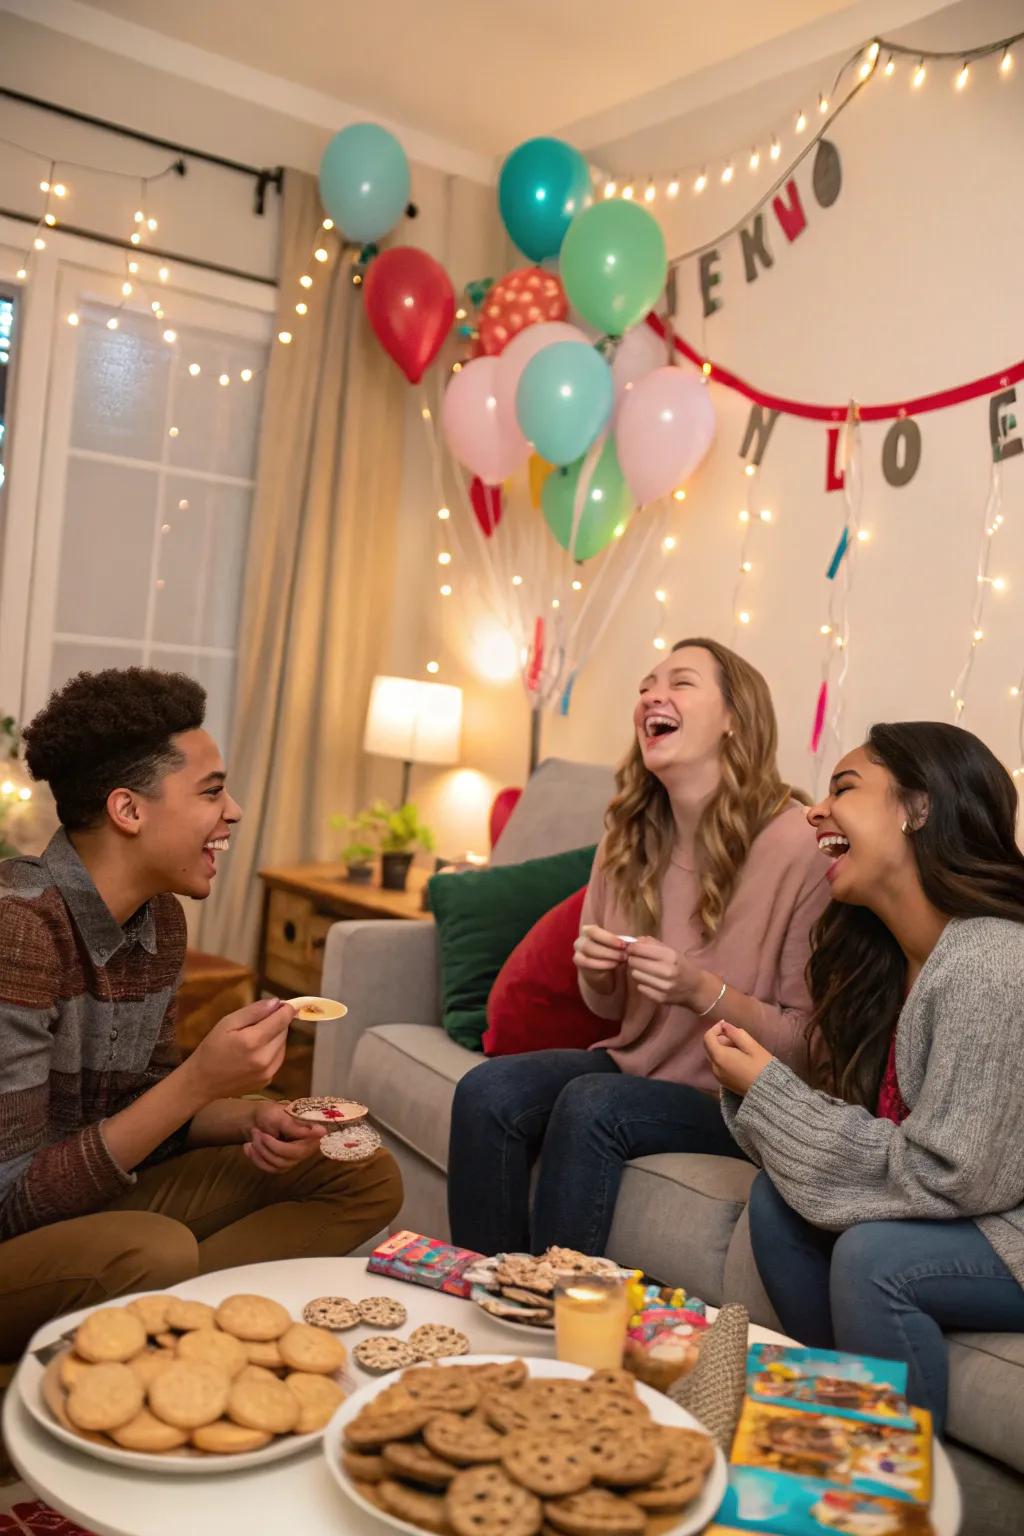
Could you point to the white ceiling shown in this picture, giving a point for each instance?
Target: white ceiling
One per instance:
(480, 74)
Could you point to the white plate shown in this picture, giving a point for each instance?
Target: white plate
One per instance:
(190, 1462)
(663, 1411)
(507, 1322)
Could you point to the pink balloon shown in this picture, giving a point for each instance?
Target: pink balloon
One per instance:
(638, 354)
(477, 434)
(665, 426)
(517, 354)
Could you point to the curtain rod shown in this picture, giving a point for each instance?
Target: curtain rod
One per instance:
(262, 175)
(149, 250)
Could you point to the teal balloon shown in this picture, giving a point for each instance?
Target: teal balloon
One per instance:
(564, 400)
(614, 265)
(607, 504)
(364, 181)
(543, 185)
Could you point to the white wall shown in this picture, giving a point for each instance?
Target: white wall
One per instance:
(908, 284)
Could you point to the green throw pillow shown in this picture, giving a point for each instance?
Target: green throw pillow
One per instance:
(481, 916)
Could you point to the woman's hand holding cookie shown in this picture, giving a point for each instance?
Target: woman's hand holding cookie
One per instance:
(277, 1141)
(597, 955)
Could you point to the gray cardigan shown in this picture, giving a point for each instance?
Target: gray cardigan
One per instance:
(960, 1064)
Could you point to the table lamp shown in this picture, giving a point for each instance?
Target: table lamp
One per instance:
(415, 722)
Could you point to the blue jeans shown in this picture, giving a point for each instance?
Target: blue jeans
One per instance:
(585, 1120)
(883, 1288)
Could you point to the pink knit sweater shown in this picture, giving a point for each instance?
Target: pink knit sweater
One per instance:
(761, 949)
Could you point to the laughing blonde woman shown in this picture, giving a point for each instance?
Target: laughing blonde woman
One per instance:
(700, 906)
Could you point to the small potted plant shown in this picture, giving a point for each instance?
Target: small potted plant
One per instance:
(399, 833)
(359, 853)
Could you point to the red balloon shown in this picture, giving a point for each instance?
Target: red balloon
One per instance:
(524, 297)
(411, 304)
(487, 504)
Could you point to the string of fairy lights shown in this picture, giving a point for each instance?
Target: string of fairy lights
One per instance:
(769, 151)
(146, 288)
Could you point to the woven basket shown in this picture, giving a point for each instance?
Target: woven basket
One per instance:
(713, 1391)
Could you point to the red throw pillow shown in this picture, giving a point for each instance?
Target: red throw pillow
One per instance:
(535, 1002)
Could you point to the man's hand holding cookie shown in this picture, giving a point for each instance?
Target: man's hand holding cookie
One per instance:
(277, 1141)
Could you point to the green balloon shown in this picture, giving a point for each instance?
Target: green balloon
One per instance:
(613, 264)
(607, 504)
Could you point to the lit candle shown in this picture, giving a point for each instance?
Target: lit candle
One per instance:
(590, 1321)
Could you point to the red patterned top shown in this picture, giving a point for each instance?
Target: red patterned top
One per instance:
(890, 1104)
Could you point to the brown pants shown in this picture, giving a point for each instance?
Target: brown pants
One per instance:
(207, 1210)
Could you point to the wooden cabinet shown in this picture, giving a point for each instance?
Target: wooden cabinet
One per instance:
(300, 904)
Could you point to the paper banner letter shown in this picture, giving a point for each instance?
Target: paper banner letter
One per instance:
(828, 174)
(535, 661)
(1001, 424)
(755, 249)
(834, 477)
(901, 452)
(790, 215)
(760, 427)
(710, 278)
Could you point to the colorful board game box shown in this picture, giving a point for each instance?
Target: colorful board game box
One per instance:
(424, 1261)
(847, 1386)
(882, 1459)
(777, 1504)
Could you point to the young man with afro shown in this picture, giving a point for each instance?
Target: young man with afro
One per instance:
(123, 1168)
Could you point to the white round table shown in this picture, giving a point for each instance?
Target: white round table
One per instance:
(119, 1502)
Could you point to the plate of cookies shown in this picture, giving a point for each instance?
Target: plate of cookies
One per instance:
(519, 1288)
(493, 1445)
(167, 1384)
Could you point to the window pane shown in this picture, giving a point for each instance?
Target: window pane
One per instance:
(217, 424)
(120, 385)
(106, 549)
(72, 656)
(203, 532)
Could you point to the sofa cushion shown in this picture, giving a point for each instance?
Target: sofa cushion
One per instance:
(407, 1074)
(675, 1217)
(535, 1004)
(481, 916)
(986, 1394)
(562, 807)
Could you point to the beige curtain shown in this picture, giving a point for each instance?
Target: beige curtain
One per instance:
(319, 578)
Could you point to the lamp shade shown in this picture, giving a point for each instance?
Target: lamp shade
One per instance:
(417, 722)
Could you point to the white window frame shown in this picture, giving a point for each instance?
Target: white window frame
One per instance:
(69, 274)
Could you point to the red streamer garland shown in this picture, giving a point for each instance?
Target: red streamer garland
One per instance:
(811, 412)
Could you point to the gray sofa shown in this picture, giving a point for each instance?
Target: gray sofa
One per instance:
(681, 1218)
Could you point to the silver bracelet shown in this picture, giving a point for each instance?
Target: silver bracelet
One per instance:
(712, 1006)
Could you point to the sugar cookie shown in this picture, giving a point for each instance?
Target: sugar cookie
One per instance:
(318, 1397)
(111, 1333)
(228, 1354)
(108, 1396)
(186, 1315)
(148, 1433)
(223, 1438)
(254, 1318)
(264, 1405)
(189, 1393)
(311, 1349)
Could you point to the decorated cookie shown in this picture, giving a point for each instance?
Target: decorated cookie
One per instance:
(317, 1010)
(326, 1110)
(382, 1312)
(335, 1312)
(353, 1145)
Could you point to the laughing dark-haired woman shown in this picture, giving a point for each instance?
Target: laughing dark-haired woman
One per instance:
(891, 1206)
